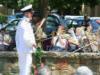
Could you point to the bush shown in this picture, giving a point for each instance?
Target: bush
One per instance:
(38, 56)
(3, 19)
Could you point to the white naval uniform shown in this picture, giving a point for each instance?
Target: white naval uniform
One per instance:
(25, 40)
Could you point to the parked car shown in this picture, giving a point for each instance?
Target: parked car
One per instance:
(10, 18)
(10, 29)
(1, 26)
(94, 23)
(78, 20)
(51, 25)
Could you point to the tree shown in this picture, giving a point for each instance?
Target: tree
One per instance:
(73, 6)
(70, 6)
(92, 4)
(10, 3)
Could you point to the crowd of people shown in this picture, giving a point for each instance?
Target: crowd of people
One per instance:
(80, 38)
(52, 35)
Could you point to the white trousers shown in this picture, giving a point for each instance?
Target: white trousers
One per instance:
(25, 62)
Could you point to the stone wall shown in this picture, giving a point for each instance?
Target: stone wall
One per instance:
(8, 63)
(72, 61)
(60, 63)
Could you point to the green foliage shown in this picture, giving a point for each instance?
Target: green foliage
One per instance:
(10, 3)
(3, 19)
(72, 6)
(53, 3)
(22, 3)
(38, 56)
(91, 3)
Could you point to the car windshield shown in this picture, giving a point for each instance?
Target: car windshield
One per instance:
(12, 26)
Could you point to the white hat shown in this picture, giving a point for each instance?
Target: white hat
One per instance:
(54, 11)
(83, 70)
(26, 8)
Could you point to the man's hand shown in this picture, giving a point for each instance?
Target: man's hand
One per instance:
(34, 46)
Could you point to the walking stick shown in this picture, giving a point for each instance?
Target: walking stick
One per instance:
(83, 47)
(88, 41)
(42, 22)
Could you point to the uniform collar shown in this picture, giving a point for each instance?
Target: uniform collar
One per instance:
(26, 19)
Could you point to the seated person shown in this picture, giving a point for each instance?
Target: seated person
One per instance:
(5, 40)
(64, 41)
(91, 37)
(73, 41)
(58, 42)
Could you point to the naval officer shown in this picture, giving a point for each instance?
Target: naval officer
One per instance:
(25, 41)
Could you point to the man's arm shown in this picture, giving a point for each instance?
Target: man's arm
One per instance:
(29, 37)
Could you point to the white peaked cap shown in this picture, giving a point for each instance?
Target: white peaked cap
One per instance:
(28, 7)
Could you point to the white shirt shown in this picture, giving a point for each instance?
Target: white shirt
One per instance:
(25, 38)
(71, 31)
(58, 43)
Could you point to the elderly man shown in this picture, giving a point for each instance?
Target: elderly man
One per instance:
(83, 70)
(25, 41)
